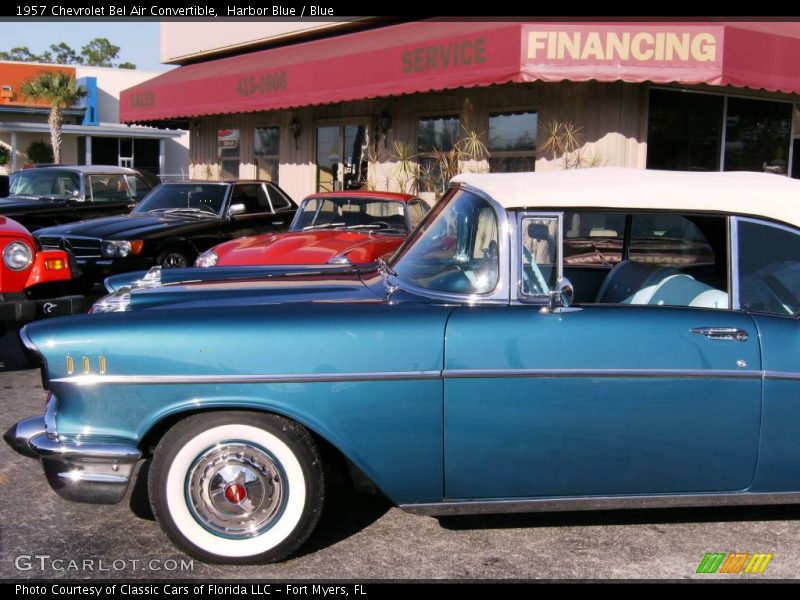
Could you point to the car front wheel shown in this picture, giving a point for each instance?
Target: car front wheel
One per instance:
(237, 487)
(172, 258)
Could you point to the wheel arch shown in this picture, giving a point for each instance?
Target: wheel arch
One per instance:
(338, 462)
(180, 243)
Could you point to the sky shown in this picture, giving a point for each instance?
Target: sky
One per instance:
(138, 40)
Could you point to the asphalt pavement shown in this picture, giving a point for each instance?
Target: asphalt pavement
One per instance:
(364, 537)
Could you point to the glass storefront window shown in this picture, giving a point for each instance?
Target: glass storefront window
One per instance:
(684, 131)
(228, 152)
(266, 150)
(757, 135)
(512, 142)
(355, 157)
(342, 157)
(327, 158)
(436, 140)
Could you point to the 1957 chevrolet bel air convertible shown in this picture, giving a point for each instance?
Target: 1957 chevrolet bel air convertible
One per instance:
(574, 340)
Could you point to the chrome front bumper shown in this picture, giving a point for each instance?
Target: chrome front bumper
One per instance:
(97, 473)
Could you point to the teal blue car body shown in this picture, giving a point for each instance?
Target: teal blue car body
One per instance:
(488, 400)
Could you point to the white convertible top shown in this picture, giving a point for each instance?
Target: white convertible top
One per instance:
(767, 195)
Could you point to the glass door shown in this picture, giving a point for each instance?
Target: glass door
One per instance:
(125, 152)
(342, 156)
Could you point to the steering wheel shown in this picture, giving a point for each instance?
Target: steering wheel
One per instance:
(491, 252)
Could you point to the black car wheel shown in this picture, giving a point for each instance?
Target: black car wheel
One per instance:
(173, 258)
(237, 487)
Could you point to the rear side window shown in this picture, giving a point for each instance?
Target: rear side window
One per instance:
(668, 239)
(108, 188)
(279, 200)
(769, 268)
(138, 187)
(253, 197)
(647, 258)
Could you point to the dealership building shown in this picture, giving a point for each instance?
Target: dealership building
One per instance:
(332, 105)
(92, 133)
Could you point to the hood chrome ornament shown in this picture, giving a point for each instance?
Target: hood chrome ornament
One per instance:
(151, 279)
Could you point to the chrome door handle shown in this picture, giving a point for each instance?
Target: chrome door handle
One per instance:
(733, 334)
(278, 222)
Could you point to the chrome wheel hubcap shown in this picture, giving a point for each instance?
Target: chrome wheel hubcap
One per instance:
(236, 490)
(173, 260)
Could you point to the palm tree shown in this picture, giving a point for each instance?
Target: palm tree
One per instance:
(60, 90)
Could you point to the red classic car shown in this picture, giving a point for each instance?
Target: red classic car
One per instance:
(28, 278)
(333, 227)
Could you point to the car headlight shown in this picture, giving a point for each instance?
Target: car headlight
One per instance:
(207, 259)
(119, 301)
(121, 248)
(341, 259)
(17, 256)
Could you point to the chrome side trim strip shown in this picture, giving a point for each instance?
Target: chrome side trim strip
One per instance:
(781, 375)
(600, 503)
(92, 379)
(276, 378)
(592, 373)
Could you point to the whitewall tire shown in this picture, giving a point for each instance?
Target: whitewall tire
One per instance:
(237, 487)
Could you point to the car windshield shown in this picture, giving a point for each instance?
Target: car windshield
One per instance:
(366, 214)
(455, 250)
(44, 182)
(197, 198)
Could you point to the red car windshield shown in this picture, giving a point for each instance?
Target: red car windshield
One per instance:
(351, 213)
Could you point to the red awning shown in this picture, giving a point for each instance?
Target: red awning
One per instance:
(430, 56)
(399, 59)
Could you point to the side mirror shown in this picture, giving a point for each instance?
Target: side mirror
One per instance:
(236, 209)
(563, 296)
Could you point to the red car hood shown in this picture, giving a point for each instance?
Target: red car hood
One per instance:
(9, 227)
(306, 247)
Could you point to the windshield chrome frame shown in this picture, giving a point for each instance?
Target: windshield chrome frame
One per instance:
(321, 196)
(501, 293)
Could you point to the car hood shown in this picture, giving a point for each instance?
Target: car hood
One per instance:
(12, 204)
(9, 227)
(297, 247)
(130, 226)
(278, 286)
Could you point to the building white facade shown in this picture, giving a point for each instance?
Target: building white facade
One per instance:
(92, 132)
